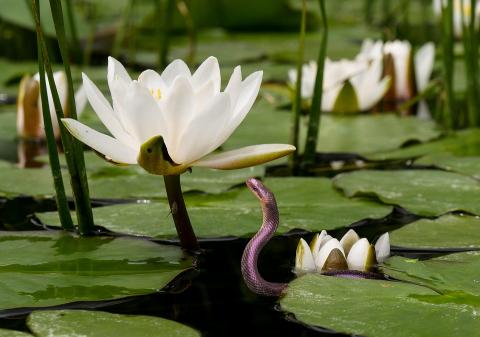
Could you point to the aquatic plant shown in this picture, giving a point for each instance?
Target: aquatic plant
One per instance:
(171, 122)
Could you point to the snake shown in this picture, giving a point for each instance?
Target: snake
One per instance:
(249, 264)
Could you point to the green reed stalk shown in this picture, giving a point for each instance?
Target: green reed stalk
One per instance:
(184, 11)
(73, 148)
(448, 64)
(315, 111)
(73, 32)
(470, 45)
(164, 30)
(60, 195)
(122, 29)
(297, 103)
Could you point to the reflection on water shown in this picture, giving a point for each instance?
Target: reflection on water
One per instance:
(28, 151)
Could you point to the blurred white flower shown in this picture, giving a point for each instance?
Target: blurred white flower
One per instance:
(29, 105)
(411, 73)
(167, 123)
(348, 85)
(458, 7)
(350, 253)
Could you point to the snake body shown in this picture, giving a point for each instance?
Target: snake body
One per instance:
(255, 282)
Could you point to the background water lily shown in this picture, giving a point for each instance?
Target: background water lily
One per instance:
(348, 85)
(410, 72)
(29, 105)
(352, 252)
(170, 122)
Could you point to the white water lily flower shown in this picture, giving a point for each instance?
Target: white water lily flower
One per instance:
(167, 123)
(29, 105)
(348, 85)
(459, 6)
(351, 252)
(411, 73)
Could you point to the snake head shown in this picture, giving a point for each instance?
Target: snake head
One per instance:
(259, 189)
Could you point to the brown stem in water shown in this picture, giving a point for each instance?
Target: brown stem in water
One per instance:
(185, 232)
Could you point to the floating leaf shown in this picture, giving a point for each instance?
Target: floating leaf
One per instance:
(304, 203)
(448, 231)
(12, 333)
(465, 165)
(50, 268)
(455, 275)
(368, 134)
(460, 143)
(83, 323)
(374, 308)
(423, 192)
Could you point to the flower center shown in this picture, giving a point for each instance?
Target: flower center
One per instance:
(156, 93)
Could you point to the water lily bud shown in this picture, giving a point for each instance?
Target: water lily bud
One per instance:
(324, 252)
(348, 240)
(29, 115)
(304, 262)
(361, 256)
(382, 247)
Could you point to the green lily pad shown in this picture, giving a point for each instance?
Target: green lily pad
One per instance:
(50, 268)
(465, 165)
(13, 333)
(374, 308)
(423, 192)
(448, 231)
(460, 143)
(455, 275)
(304, 203)
(60, 323)
(368, 134)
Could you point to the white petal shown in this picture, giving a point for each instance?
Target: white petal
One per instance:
(108, 146)
(234, 85)
(204, 95)
(304, 262)
(245, 156)
(142, 114)
(424, 59)
(248, 93)
(377, 92)
(153, 81)
(317, 242)
(382, 247)
(348, 240)
(325, 251)
(357, 258)
(80, 100)
(104, 111)
(209, 70)
(178, 111)
(401, 52)
(173, 70)
(199, 135)
(116, 71)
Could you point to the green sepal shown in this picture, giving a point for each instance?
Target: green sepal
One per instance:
(347, 100)
(335, 261)
(154, 158)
